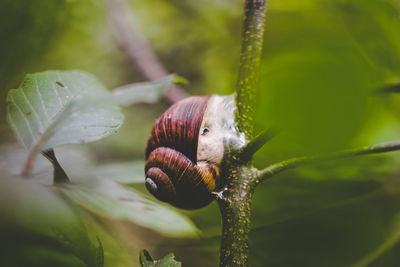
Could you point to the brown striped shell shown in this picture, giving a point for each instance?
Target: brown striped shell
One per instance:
(173, 173)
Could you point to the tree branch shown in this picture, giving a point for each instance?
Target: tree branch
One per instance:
(250, 58)
(247, 152)
(136, 46)
(294, 162)
(235, 205)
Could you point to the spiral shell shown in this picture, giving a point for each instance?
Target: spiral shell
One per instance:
(173, 173)
(186, 147)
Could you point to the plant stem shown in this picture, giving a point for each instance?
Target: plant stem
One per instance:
(59, 176)
(294, 162)
(235, 207)
(250, 58)
(28, 166)
(235, 204)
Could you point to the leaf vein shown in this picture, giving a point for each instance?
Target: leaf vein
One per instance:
(41, 99)
(33, 109)
(14, 126)
(23, 116)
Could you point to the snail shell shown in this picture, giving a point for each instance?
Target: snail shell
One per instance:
(186, 147)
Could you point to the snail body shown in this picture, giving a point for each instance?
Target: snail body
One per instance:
(186, 147)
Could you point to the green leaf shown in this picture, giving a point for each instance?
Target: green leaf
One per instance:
(147, 261)
(110, 199)
(168, 261)
(381, 20)
(148, 92)
(61, 107)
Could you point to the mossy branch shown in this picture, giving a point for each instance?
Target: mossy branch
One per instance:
(235, 203)
(250, 58)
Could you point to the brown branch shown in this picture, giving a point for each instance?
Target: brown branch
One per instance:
(136, 46)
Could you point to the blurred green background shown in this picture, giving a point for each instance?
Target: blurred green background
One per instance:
(323, 64)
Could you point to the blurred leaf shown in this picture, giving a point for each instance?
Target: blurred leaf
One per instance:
(374, 27)
(77, 162)
(104, 195)
(147, 261)
(148, 92)
(36, 219)
(100, 254)
(38, 249)
(391, 240)
(181, 80)
(124, 172)
(110, 199)
(168, 261)
(314, 220)
(317, 100)
(54, 107)
(12, 159)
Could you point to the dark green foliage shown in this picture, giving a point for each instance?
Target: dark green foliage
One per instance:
(322, 62)
(147, 261)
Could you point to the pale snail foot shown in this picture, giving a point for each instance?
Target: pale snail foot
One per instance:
(220, 194)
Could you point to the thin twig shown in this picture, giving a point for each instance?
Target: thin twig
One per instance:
(137, 47)
(247, 152)
(294, 162)
(250, 58)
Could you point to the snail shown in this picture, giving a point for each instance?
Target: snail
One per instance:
(186, 148)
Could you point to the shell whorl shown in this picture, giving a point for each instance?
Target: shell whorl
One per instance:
(180, 181)
(179, 127)
(173, 173)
